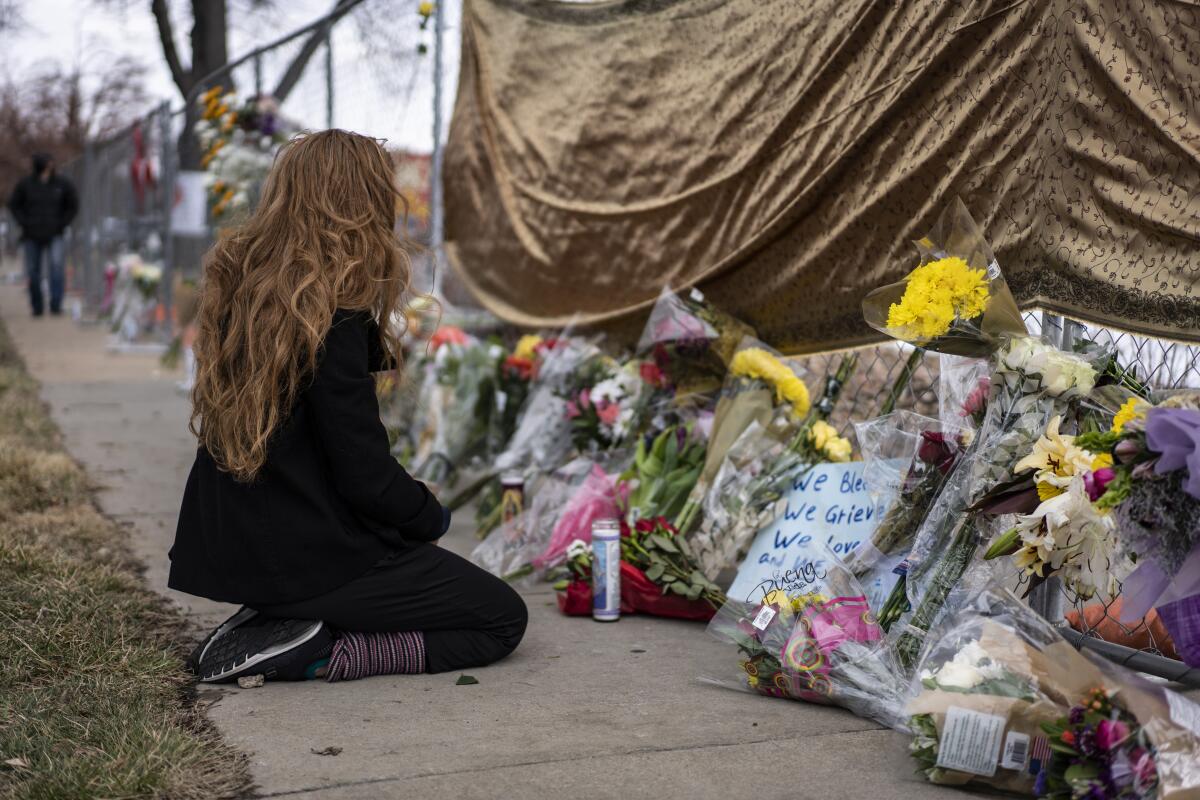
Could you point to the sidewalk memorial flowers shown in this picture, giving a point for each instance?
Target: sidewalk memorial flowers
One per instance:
(1044, 719)
(757, 470)
(810, 636)
(1031, 381)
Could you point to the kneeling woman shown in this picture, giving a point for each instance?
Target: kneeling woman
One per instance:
(295, 507)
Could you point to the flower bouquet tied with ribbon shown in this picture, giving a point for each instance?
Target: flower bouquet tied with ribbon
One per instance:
(956, 300)
(809, 635)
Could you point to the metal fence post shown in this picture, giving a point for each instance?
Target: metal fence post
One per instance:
(166, 206)
(329, 77)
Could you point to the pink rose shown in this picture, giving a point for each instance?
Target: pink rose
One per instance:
(572, 410)
(1111, 733)
(585, 400)
(608, 413)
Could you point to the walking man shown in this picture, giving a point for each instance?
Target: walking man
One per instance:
(44, 204)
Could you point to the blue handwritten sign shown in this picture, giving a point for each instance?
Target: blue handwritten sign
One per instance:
(828, 513)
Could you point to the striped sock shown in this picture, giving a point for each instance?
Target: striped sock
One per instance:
(360, 655)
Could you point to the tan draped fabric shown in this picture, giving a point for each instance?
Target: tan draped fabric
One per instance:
(782, 154)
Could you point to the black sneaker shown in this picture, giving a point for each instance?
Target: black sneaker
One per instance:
(278, 649)
(243, 615)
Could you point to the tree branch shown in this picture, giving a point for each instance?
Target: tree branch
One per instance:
(162, 16)
(295, 70)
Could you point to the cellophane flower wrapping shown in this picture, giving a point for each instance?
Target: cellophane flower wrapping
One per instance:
(809, 635)
(689, 342)
(465, 387)
(963, 388)
(1032, 382)
(998, 670)
(600, 495)
(559, 504)
(956, 301)
(907, 459)
(542, 440)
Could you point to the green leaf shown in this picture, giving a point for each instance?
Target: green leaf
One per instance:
(663, 543)
(656, 571)
(680, 588)
(1081, 772)
(1060, 747)
(466, 680)
(695, 592)
(699, 578)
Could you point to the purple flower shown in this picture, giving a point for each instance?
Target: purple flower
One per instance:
(1175, 433)
(1086, 742)
(1039, 786)
(1096, 482)
(1076, 715)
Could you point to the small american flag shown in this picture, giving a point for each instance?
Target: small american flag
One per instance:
(1039, 754)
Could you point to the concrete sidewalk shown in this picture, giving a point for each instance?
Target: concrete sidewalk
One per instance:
(581, 709)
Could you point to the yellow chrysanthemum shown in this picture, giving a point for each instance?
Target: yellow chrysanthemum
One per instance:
(425, 9)
(756, 363)
(1102, 461)
(1131, 409)
(935, 295)
(526, 346)
(825, 439)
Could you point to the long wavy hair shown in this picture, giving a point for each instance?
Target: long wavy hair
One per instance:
(322, 238)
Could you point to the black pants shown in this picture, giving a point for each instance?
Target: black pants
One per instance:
(469, 617)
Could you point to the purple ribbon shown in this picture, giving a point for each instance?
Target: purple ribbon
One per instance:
(1149, 586)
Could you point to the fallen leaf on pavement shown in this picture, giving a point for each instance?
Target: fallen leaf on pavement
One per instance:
(327, 751)
(465, 680)
(251, 681)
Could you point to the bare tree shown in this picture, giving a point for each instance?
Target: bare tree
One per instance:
(58, 110)
(208, 42)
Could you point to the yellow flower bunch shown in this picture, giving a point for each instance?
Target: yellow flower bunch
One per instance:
(935, 295)
(756, 363)
(824, 438)
(526, 347)
(425, 9)
(1131, 409)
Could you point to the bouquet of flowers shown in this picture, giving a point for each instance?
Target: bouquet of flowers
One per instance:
(239, 147)
(601, 495)
(931, 451)
(603, 401)
(515, 375)
(809, 635)
(1031, 383)
(658, 575)
(759, 386)
(758, 470)
(956, 301)
(688, 342)
(1153, 488)
(1098, 749)
(1002, 700)
(1066, 534)
(462, 396)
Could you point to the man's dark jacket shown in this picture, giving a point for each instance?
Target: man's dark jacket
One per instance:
(43, 209)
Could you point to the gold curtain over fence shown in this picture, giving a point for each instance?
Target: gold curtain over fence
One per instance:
(782, 154)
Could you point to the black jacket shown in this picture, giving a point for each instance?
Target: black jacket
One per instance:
(329, 503)
(43, 209)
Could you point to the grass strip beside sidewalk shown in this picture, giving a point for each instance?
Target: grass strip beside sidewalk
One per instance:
(93, 694)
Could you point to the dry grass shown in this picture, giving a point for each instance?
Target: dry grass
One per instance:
(93, 696)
